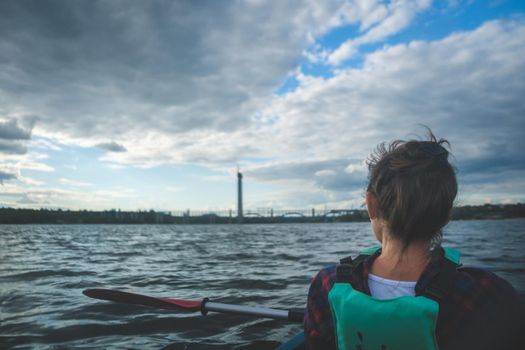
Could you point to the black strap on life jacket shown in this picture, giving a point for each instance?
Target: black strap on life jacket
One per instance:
(443, 283)
(346, 267)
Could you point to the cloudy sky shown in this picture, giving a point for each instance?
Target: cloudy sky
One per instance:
(154, 104)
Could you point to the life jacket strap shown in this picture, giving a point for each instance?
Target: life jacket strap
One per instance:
(343, 273)
(441, 285)
(347, 266)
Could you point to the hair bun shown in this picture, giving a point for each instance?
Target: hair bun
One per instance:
(424, 152)
(433, 149)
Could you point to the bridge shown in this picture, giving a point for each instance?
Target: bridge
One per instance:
(266, 213)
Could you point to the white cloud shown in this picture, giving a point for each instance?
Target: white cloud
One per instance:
(316, 54)
(29, 181)
(45, 144)
(74, 183)
(13, 165)
(325, 173)
(28, 196)
(383, 20)
(32, 165)
(356, 167)
(466, 87)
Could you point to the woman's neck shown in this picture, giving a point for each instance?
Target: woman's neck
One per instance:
(400, 262)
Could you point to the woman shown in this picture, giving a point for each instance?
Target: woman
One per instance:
(410, 293)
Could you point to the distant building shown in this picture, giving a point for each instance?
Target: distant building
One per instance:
(239, 196)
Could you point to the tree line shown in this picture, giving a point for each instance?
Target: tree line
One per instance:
(59, 216)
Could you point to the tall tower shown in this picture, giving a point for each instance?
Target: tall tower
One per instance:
(239, 196)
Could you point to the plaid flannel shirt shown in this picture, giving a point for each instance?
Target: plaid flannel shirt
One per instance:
(482, 311)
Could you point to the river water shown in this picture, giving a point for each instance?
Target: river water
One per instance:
(44, 268)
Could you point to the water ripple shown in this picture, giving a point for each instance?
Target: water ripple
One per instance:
(44, 268)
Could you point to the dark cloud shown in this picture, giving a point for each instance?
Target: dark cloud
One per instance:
(294, 170)
(111, 147)
(95, 67)
(334, 175)
(10, 130)
(14, 136)
(6, 175)
(491, 164)
(12, 147)
(496, 162)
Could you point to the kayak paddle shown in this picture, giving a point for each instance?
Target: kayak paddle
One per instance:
(204, 305)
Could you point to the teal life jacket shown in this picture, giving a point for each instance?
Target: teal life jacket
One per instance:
(362, 322)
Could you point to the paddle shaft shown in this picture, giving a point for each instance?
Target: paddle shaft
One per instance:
(204, 306)
(278, 314)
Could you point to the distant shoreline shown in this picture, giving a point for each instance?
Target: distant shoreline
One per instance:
(59, 216)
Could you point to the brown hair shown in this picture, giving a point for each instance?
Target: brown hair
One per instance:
(415, 186)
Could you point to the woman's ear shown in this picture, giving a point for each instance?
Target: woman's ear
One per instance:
(371, 205)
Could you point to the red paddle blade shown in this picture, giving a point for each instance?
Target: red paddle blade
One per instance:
(144, 300)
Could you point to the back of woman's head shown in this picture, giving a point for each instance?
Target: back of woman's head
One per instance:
(415, 187)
